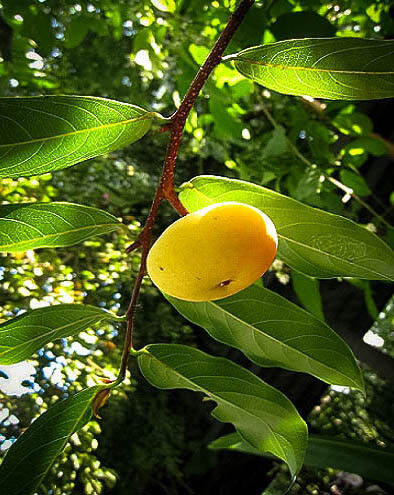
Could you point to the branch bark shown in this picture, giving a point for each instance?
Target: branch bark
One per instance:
(165, 189)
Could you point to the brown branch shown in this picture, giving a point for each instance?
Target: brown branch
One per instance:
(165, 189)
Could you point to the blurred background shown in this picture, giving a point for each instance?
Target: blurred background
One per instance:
(147, 52)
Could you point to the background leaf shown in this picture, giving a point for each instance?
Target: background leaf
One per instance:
(29, 458)
(272, 331)
(311, 241)
(20, 337)
(307, 290)
(302, 25)
(262, 415)
(323, 452)
(334, 68)
(46, 133)
(36, 225)
(356, 181)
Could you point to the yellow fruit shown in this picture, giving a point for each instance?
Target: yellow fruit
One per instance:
(213, 252)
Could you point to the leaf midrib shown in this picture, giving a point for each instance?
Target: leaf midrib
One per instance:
(297, 351)
(63, 233)
(311, 69)
(218, 397)
(147, 116)
(58, 329)
(42, 475)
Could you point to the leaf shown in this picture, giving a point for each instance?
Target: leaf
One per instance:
(36, 225)
(46, 133)
(76, 30)
(323, 452)
(355, 181)
(353, 124)
(31, 456)
(307, 290)
(312, 241)
(261, 414)
(20, 337)
(199, 53)
(333, 68)
(302, 25)
(271, 331)
(277, 145)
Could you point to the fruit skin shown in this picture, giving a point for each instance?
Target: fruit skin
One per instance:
(213, 252)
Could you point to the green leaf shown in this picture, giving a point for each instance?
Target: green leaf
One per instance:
(271, 331)
(261, 414)
(353, 124)
(334, 68)
(311, 241)
(307, 290)
(46, 133)
(301, 25)
(277, 145)
(355, 181)
(36, 225)
(199, 53)
(323, 452)
(76, 30)
(31, 456)
(20, 337)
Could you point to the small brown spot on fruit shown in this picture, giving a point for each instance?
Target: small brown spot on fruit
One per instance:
(161, 268)
(225, 282)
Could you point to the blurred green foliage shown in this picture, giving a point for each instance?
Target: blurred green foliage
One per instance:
(146, 53)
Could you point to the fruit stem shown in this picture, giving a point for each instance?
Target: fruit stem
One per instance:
(165, 189)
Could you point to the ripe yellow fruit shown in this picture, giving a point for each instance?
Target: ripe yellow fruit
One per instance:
(213, 252)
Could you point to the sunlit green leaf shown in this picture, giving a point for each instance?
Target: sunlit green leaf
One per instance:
(31, 456)
(261, 414)
(324, 452)
(165, 5)
(271, 331)
(353, 124)
(334, 68)
(42, 134)
(20, 337)
(311, 241)
(35, 225)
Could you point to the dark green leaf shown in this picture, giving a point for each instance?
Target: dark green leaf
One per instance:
(307, 290)
(334, 68)
(46, 133)
(35, 225)
(356, 153)
(30, 457)
(76, 31)
(355, 181)
(311, 241)
(323, 452)
(20, 337)
(262, 415)
(271, 331)
(302, 25)
(277, 145)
